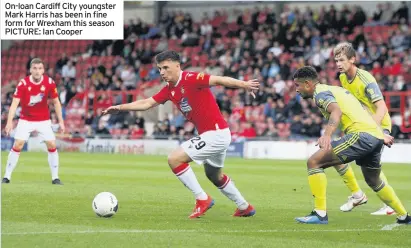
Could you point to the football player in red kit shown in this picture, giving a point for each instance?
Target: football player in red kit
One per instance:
(32, 94)
(190, 92)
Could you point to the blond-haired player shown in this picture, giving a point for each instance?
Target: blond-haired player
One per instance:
(365, 88)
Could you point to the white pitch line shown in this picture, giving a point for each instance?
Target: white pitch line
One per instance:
(390, 227)
(191, 231)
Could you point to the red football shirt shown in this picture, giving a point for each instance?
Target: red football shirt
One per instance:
(33, 98)
(192, 96)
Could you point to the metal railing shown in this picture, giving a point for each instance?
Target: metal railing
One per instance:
(397, 103)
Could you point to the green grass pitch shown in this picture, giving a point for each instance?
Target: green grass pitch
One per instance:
(154, 206)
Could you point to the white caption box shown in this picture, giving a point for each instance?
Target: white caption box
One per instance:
(61, 20)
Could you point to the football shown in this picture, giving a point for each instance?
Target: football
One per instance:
(105, 204)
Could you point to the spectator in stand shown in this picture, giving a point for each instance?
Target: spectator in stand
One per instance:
(136, 132)
(161, 46)
(206, 27)
(140, 120)
(225, 104)
(63, 95)
(102, 132)
(61, 62)
(69, 71)
(153, 74)
(128, 76)
(249, 131)
(401, 13)
(89, 119)
(190, 38)
(297, 128)
(30, 58)
(177, 120)
(161, 131)
(270, 131)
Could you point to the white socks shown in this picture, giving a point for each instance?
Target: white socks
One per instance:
(358, 194)
(189, 179)
(321, 213)
(11, 162)
(228, 188)
(53, 159)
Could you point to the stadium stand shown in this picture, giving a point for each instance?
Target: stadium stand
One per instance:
(92, 75)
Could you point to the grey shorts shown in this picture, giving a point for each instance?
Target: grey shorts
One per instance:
(364, 148)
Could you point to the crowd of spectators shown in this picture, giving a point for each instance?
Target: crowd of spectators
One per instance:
(258, 44)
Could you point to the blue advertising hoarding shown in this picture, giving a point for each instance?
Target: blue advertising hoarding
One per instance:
(236, 149)
(7, 144)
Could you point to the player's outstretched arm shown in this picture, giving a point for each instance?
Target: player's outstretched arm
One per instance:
(12, 112)
(234, 83)
(59, 112)
(139, 105)
(333, 122)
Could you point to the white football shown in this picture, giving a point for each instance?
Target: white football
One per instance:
(105, 204)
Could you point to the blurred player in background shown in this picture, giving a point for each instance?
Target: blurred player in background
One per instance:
(32, 93)
(190, 92)
(363, 142)
(365, 88)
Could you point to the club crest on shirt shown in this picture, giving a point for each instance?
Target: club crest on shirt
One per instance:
(200, 75)
(184, 106)
(182, 90)
(29, 88)
(43, 88)
(172, 93)
(321, 102)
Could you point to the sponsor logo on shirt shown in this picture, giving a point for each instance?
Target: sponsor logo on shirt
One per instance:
(36, 99)
(184, 106)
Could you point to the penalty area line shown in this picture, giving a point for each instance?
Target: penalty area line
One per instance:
(191, 231)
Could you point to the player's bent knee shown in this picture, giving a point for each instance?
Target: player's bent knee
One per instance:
(177, 157)
(51, 144)
(312, 163)
(18, 144)
(373, 182)
(372, 178)
(173, 159)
